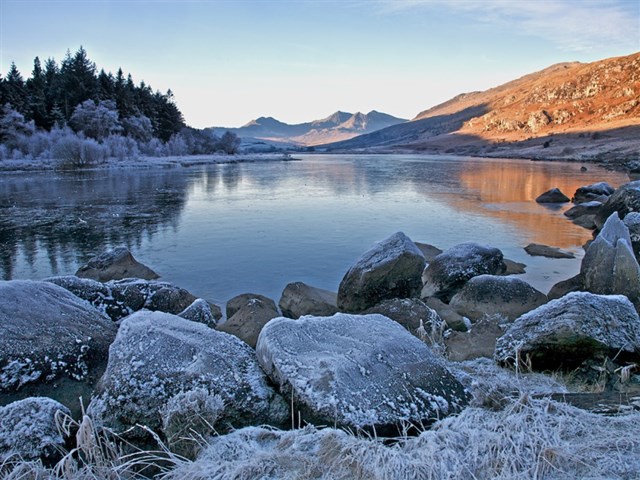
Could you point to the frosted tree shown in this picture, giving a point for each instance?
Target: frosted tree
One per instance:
(96, 120)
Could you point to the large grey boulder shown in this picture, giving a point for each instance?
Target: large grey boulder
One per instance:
(247, 322)
(412, 313)
(115, 264)
(625, 199)
(450, 270)
(632, 221)
(554, 195)
(565, 332)
(29, 430)
(390, 269)
(609, 265)
(357, 371)
(162, 366)
(592, 192)
(487, 295)
(300, 299)
(239, 301)
(53, 343)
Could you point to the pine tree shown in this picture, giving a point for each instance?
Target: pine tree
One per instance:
(78, 79)
(37, 107)
(15, 91)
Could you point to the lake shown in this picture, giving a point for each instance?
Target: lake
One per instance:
(227, 229)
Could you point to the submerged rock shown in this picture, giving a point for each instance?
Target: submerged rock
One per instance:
(537, 250)
(552, 196)
(115, 264)
(565, 332)
(357, 371)
(391, 268)
(592, 192)
(300, 299)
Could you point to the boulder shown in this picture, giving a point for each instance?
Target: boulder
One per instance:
(164, 297)
(591, 192)
(478, 342)
(390, 269)
(513, 268)
(487, 295)
(300, 299)
(412, 313)
(560, 289)
(163, 367)
(453, 319)
(53, 343)
(565, 332)
(249, 320)
(609, 265)
(29, 430)
(625, 199)
(357, 371)
(97, 294)
(537, 250)
(450, 270)
(239, 301)
(582, 209)
(429, 251)
(115, 264)
(632, 221)
(552, 196)
(202, 312)
(586, 221)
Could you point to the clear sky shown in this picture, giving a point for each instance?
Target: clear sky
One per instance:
(228, 61)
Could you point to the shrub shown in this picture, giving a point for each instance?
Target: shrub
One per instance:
(74, 152)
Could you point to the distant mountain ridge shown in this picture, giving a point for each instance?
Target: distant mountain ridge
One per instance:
(336, 127)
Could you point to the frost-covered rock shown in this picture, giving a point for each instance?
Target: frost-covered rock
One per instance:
(487, 295)
(591, 192)
(567, 331)
(53, 343)
(239, 301)
(164, 297)
(248, 321)
(609, 265)
(115, 264)
(453, 319)
(625, 199)
(357, 371)
(29, 431)
(157, 357)
(389, 269)
(554, 195)
(632, 221)
(300, 299)
(537, 250)
(412, 313)
(450, 270)
(201, 311)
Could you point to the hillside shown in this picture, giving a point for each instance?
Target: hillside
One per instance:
(336, 127)
(568, 110)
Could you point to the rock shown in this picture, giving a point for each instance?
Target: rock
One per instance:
(478, 342)
(29, 431)
(53, 343)
(450, 270)
(239, 301)
(624, 201)
(610, 266)
(97, 294)
(565, 332)
(586, 221)
(632, 221)
(412, 313)
(249, 320)
(560, 289)
(202, 312)
(587, 208)
(357, 371)
(168, 298)
(537, 250)
(115, 264)
(487, 295)
(513, 268)
(162, 367)
(390, 269)
(300, 299)
(453, 319)
(552, 196)
(591, 192)
(429, 251)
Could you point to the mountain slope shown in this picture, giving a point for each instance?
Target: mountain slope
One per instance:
(563, 105)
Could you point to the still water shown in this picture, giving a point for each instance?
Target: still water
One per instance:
(222, 230)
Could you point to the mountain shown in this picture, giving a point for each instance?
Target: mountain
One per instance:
(568, 110)
(336, 127)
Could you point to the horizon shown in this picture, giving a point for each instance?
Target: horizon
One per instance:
(228, 63)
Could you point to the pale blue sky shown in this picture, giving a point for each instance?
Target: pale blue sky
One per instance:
(297, 60)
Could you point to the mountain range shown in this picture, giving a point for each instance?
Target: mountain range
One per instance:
(336, 127)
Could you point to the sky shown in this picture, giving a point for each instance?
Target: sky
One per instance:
(230, 61)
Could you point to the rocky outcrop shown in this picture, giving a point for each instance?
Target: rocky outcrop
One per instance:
(53, 343)
(115, 264)
(29, 431)
(391, 268)
(247, 322)
(625, 200)
(566, 332)
(239, 301)
(412, 313)
(487, 295)
(592, 192)
(162, 367)
(609, 266)
(300, 299)
(537, 250)
(554, 195)
(450, 270)
(357, 371)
